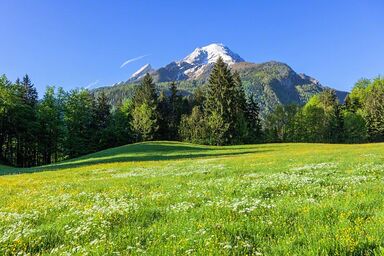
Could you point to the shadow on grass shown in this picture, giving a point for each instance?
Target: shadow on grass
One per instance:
(140, 153)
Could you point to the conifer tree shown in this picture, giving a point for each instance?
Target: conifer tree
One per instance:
(175, 111)
(221, 102)
(145, 113)
(145, 122)
(50, 129)
(145, 93)
(252, 114)
(163, 117)
(29, 93)
(241, 100)
(25, 127)
(101, 119)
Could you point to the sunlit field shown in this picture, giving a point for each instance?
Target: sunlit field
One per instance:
(166, 198)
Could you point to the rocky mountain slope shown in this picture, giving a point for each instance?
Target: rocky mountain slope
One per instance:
(272, 83)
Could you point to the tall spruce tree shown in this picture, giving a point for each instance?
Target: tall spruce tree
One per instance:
(145, 113)
(163, 109)
(241, 99)
(50, 129)
(145, 92)
(26, 125)
(101, 119)
(28, 91)
(220, 104)
(248, 123)
(176, 109)
(252, 114)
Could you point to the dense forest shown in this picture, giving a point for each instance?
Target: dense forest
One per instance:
(64, 124)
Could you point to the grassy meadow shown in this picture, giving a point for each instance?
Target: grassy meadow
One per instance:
(168, 198)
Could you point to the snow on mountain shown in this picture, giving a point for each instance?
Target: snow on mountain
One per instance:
(202, 59)
(147, 68)
(193, 66)
(210, 53)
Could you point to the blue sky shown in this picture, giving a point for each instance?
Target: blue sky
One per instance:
(80, 43)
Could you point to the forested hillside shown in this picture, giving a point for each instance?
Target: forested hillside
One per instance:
(64, 125)
(271, 84)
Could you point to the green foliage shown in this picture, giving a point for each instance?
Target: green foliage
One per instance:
(315, 124)
(145, 93)
(221, 100)
(18, 122)
(145, 113)
(368, 97)
(355, 130)
(65, 125)
(78, 122)
(119, 130)
(355, 99)
(144, 122)
(217, 129)
(101, 122)
(271, 83)
(230, 118)
(193, 127)
(320, 120)
(279, 124)
(170, 110)
(373, 107)
(51, 132)
(222, 114)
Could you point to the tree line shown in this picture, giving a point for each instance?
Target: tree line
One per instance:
(324, 119)
(64, 125)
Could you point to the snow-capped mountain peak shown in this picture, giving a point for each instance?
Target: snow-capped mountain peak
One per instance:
(193, 66)
(147, 68)
(210, 53)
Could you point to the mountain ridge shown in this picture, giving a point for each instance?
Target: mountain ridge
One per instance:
(272, 83)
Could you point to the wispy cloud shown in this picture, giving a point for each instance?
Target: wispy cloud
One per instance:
(132, 60)
(92, 84)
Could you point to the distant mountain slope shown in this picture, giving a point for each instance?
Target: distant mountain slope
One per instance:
(272, 83)
(147, 68)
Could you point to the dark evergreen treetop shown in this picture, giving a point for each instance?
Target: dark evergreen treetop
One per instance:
(146, 92)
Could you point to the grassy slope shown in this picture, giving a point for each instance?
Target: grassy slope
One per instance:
(175, 198)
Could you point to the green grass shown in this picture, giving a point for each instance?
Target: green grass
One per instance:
(165, 198)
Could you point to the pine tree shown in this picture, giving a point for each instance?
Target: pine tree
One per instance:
(221, 102)
(101, 119)
(252, 115)
(163, 118)
(241, 100)
(145, 122)
(25, 123)
(145, 111)
(28, 91)
(175, 111)
(50, 129)
(145, 92)
(243, 127)
(194, 128)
